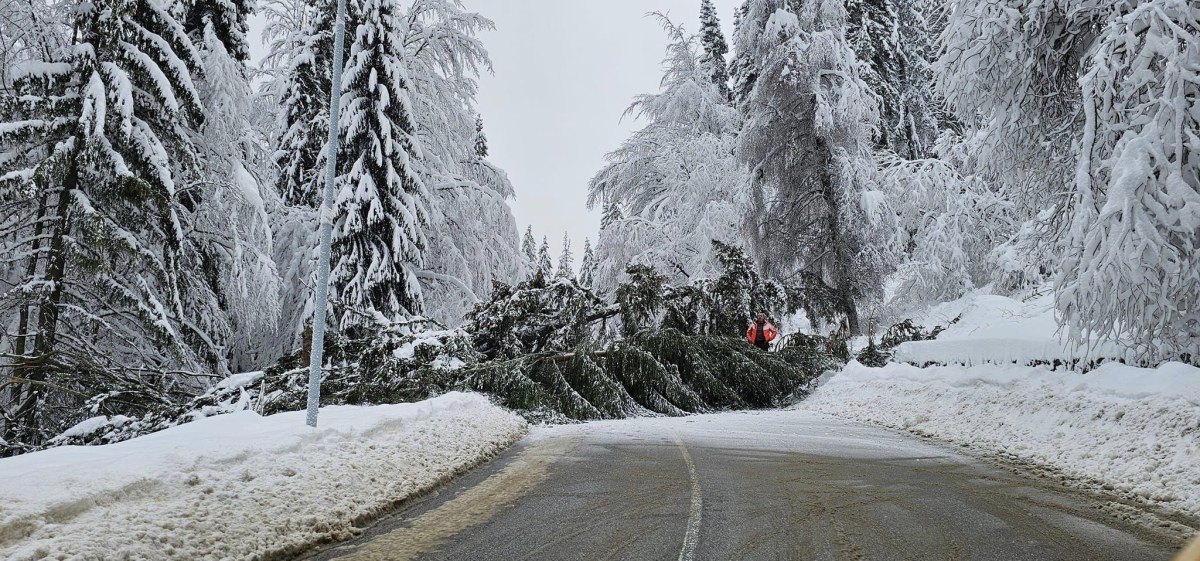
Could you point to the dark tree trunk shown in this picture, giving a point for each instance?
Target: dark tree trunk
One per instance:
(42, 361)
(842, 283)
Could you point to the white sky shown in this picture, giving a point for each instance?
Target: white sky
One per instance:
(564, 72)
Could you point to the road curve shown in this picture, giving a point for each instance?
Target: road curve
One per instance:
(760, 485)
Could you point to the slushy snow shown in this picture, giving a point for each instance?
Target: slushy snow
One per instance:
(241, 485)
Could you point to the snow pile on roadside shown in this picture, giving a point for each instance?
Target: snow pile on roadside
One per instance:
(999, 330)
(1136, 430)
(240, 485)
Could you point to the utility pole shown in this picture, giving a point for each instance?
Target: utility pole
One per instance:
(327, 215)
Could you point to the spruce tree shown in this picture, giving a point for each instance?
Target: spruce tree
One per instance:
(566, 261)
(893, 39)
(227, 19)
(304, 115)
(543, 258)
(743, 69)
(587, 264)
(92, 137)
(715, 48)
(481, 143)
(378, 233)
(529, 246)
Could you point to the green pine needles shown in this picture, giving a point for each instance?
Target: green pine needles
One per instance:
(553, 351)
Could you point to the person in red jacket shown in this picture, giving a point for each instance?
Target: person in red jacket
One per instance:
(761, 332)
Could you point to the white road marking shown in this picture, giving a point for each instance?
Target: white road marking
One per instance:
(692, 536)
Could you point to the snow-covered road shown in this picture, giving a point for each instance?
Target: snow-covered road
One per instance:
(761, 485)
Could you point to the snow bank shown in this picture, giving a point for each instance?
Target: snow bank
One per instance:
(240, 485)
(1136, 430)
(998, 330)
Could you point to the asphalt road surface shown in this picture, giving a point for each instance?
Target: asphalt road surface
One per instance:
(764, 485)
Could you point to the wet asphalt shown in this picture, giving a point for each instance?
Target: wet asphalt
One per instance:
(747, 486)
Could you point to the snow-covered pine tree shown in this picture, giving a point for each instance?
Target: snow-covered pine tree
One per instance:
(543, 258)
(743, 67)
(481, 144)
(677, 179)
(814, 206)
(227, 21)
(304, 99)
(472, 237)
(715, 48)
(566, 260)
(1132, 267)
(379, 231)
(587, 264)
(91, 137)
(894, 39)
(529, 246)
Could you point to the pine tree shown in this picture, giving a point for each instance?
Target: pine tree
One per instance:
(543, 258)
(481, 144)
(894, 40)
(587, 264)
(304, 118)
(92, 136)
(743, 68)
(378, 233)
(529, 246)
(227, 20)
(566, 261)
(715, 48)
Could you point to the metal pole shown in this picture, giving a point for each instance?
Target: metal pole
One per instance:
(327, 214)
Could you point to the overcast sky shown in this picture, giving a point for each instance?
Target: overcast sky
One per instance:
(564, 72)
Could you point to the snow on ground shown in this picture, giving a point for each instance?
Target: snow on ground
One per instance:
(1135, 430)
(240, 485)
(997, 329)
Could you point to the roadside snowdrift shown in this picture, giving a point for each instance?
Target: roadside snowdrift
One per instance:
(1136, 430)
(240, 485)
(987, 328)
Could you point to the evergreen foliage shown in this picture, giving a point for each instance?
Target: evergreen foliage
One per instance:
(481, 144)
(587, 265)
(227, 20)
(534, 348)
(544, 264)
(378, 232)
(529, 246)
(894, 39)
(566, 261)
(715, 48)
(93, 218)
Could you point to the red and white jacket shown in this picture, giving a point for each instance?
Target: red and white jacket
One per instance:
(769, 332)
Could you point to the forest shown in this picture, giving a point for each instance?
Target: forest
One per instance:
(846, 161)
